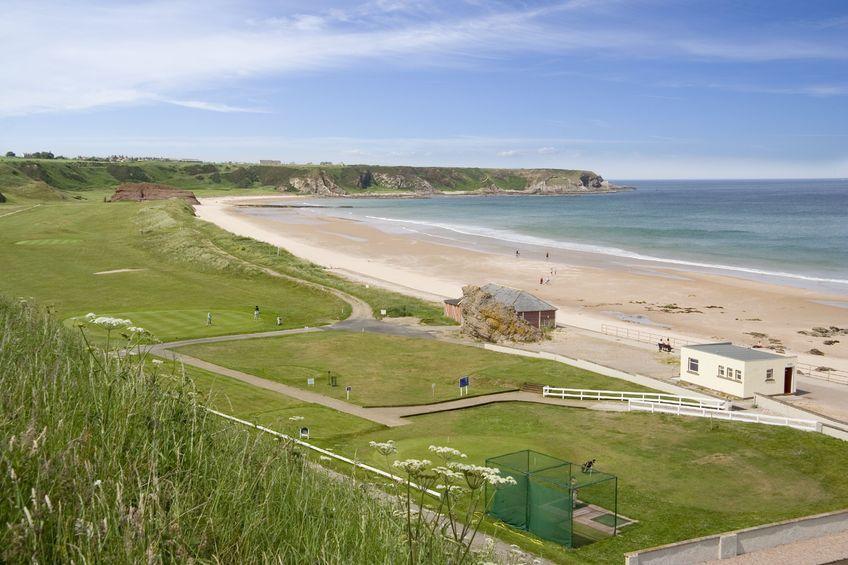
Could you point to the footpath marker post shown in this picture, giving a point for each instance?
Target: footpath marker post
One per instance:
(347, 392)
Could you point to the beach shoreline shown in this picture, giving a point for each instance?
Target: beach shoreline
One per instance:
(661, 299)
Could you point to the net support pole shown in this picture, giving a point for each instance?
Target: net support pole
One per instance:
(615, 511)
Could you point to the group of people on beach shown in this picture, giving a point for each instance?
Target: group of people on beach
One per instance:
(664, 345)
(256, 316)
(543, 279)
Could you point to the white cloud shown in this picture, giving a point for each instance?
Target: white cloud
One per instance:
(214, 107)
(69, 56)
(547, 150)
(508, 153)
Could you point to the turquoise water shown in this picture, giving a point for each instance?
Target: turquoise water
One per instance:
(790, 231)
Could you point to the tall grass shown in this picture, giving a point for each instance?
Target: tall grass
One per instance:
(105, 462)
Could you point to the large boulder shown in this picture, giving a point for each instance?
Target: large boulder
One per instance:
(143, 191)
(489, 320)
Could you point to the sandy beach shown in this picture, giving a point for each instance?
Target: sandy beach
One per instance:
(649, 297)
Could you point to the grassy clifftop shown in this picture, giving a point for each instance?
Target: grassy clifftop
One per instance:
(106, 459)
(28, 180)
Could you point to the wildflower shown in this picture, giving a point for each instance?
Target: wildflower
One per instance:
(412, 467)
(90, 317)
(447, 453)
(136, 329)
(97, 483)
(48, 503)
(447, 473)
(451, 490)
(500, 481)
(110, 323)
(28, 517)
(384, 448)
(476, 475)
(157, 361)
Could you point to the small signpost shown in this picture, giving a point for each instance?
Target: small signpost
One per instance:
(310, 382)
(347, 392)
(434, 390)
(463, 385)
(304, 433)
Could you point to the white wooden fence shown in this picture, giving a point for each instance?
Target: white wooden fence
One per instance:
(680, 410)
(656, 397)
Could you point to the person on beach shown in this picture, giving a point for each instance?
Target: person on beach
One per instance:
(256, 312)
(517, 253)
(547, 255)
(208, 318)
(541, 280)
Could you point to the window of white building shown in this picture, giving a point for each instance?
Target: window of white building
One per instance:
(693, 365)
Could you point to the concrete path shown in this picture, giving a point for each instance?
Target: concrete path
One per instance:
(372, 414)
(483, 400)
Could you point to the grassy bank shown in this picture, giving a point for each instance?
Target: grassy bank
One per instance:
(680, 477)
(101, 463)
(386, 370)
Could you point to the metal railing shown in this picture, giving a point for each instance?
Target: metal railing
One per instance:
(643, 336)
(822, 373)
(753, 418)
(624, 396)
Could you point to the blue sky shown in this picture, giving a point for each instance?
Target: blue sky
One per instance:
(631, 89)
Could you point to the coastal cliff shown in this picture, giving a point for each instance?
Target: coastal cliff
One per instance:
(352, 180)
(27, 179)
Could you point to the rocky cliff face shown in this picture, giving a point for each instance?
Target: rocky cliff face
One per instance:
(139, 192)
(316, 182)
(486, 319)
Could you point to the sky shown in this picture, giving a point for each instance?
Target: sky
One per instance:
(630, 89)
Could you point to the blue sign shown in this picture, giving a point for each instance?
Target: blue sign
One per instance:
(463, 382)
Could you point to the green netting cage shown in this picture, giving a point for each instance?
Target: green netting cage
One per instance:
(555, 499)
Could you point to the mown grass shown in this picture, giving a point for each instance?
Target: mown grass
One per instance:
(327, 427)
(680, 477)
(101, 463)
(386, 370)
(180, 276)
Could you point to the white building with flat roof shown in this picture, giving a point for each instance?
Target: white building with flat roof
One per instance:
(737, 371)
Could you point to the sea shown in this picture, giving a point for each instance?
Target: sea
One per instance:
(785, 231)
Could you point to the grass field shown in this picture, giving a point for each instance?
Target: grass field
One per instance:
(327, 427)
(52, 253)
(680, 477)
(391, 370)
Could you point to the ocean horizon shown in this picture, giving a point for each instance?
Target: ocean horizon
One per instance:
(785, 231)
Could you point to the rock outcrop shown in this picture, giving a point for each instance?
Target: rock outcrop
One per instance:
(486, 319)
(317, 182)
(143, 191)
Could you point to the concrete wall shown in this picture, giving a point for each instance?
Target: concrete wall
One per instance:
(739, 542)
(829, 426)
(752, 373)
(650, 382)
